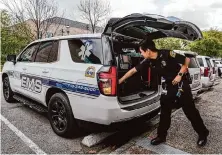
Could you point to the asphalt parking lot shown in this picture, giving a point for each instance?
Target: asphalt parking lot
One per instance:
(25, 131)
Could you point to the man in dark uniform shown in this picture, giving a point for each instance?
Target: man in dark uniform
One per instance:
(174, 69)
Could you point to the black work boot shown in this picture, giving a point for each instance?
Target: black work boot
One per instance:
(202, 140)
(157, 140)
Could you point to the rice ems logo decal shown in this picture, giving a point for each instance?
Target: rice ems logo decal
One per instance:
(31, 83)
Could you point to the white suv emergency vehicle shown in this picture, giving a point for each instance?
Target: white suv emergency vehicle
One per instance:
(218, 64)
(76, 76)
(207, 77)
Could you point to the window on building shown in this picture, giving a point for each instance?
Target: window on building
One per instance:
(48, 34)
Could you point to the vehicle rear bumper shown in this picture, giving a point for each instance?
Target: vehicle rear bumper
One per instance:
(206, 82)
(106, 110)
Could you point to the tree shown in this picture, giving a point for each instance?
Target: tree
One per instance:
(39, 12)
(13, 39)
(207, 46)
(94, 11)
(171, 44)
(210, 45)
(213, 33)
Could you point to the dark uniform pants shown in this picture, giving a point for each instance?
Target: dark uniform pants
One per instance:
(186, 102)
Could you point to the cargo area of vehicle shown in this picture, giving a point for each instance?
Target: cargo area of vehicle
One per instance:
(142, 85)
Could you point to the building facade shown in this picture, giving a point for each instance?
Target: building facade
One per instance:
(58, 26)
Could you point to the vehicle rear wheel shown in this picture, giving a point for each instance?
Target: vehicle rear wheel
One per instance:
(7, 91)
(61, 116)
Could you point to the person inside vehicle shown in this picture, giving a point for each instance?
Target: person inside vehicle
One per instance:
(173, 68)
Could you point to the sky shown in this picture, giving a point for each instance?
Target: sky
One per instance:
(204, 13)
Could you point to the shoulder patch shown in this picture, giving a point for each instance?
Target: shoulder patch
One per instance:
(172, 54)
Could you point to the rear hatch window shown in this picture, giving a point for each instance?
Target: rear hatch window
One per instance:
(200, 60)
(193, 63)
(208, 62)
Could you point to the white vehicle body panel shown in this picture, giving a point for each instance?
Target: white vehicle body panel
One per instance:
(209, 80)
(196, 85)
(219, 65)
(215, 75)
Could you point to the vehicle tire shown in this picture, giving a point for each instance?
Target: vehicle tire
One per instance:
(7, 91)
(61, 116)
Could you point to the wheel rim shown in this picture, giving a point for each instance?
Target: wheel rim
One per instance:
(6, 88)
(59, 117)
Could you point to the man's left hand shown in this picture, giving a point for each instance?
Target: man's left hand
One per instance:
(177, 80)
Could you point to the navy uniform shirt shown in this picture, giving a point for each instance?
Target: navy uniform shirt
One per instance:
(167, 64)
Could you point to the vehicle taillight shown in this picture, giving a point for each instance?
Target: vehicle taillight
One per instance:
(206, 71)
(107, 81)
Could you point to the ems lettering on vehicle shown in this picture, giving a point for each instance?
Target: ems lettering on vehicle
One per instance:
(31, 84)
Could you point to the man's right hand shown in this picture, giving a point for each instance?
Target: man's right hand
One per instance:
(127, 75)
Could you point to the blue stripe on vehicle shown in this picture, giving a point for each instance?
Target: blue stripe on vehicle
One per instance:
(81, 89)
(73, 87)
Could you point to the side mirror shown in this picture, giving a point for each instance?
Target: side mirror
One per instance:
(11, 58)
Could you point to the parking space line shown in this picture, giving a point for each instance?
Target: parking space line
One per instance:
(25, 139)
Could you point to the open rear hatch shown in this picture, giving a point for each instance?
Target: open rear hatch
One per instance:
(141, 26)
(126, 33)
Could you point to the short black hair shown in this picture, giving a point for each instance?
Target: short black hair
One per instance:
(147, 44)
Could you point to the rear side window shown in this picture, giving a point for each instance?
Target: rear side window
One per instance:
(218, 62)
(215, 64)
(43, 52)
(193, 63)
(200, 60)
(54, 52)
(47, 52)
(86, 50)
(208, 62)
